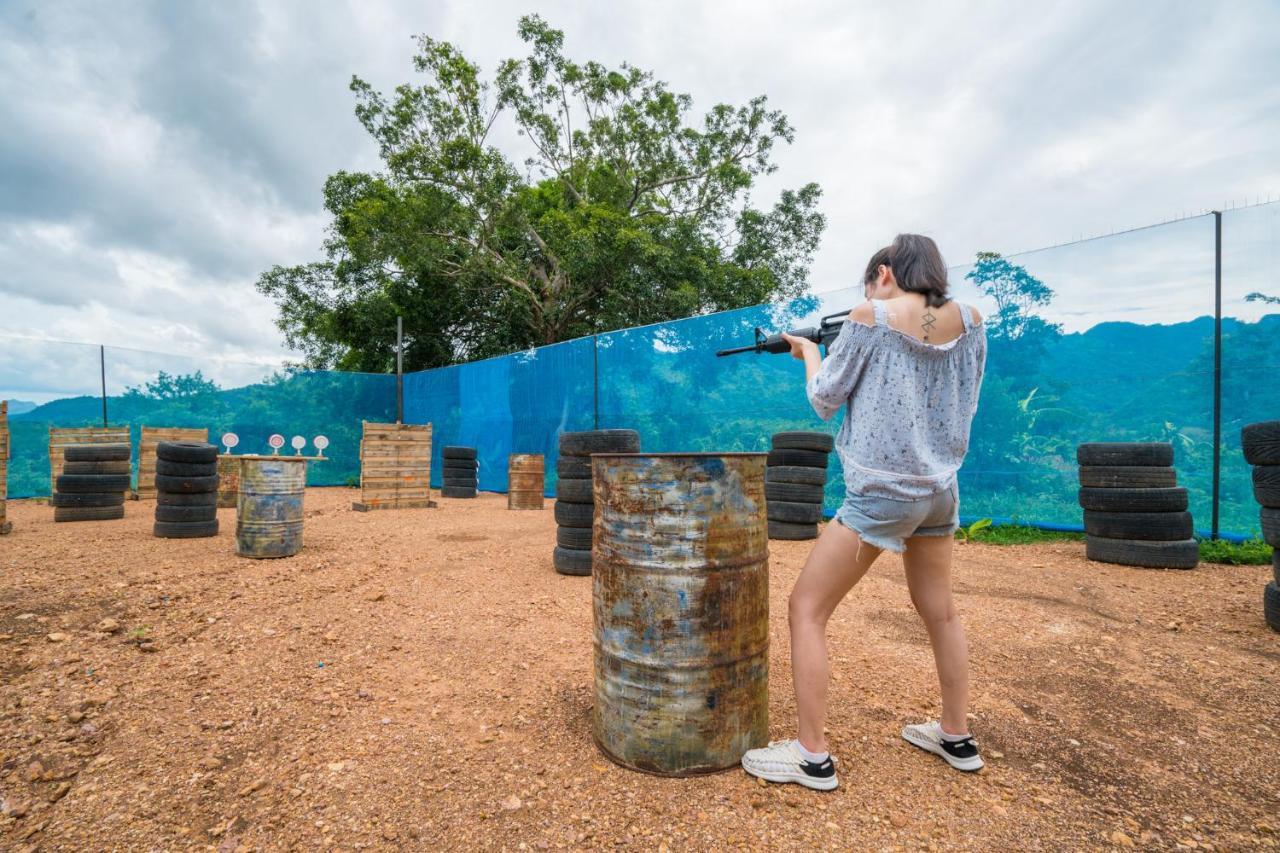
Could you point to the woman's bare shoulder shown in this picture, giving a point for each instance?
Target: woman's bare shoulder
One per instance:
(864, 314)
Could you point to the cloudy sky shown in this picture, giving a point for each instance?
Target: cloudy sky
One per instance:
(156, 157)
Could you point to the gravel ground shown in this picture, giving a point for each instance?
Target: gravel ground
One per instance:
(421, 679)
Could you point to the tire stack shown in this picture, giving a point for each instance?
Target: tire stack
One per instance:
(1261, 444)
(461, 472)
(575, 503)
(92, 484)
(1134, 512)
(186, 490)
(795, 476)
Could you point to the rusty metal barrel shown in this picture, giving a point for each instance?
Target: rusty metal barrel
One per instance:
(228, 480)
(681, 609)
(525, 481)
(269, 507)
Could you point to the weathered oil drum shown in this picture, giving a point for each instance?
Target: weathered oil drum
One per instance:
(525, 481)
(269, 508)
(228, 480)
(681, 609)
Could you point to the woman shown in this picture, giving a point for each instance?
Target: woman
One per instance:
(907, 368)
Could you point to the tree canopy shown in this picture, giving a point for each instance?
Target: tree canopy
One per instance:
(623, 213)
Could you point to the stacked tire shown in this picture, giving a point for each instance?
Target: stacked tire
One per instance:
(1134, 512)
(1261, 444)
(92, 484)
(461, 472)
(186, 490)
(575, 502)
(795, 476)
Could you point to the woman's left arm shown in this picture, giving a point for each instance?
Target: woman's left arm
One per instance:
(830, 382)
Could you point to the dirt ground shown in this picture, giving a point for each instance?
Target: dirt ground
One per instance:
(422, 679)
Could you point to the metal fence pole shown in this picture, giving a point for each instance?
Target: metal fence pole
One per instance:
(399, 370)
(1217, 367)
(102, 363)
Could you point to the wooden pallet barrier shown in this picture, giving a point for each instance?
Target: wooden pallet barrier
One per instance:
(5, 524)
(151, 436)
(60, 437)
(395, 467)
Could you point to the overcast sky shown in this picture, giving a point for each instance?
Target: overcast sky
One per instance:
(156, 157)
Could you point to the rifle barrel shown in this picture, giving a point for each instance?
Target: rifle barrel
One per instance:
(736, 350)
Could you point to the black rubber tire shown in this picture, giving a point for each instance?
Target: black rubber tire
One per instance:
(457, 451)
(185, 529)
(1275, 565)
(599, 441)
(794, 513)
(1270, 518)
(574, 515)
(88, 513)
(1271, 605)
(793, 492)
(819, 442)
(792, 532)
(187, 451)
(574, 491)
(1261, 443)
(1266, 485)
(1128, 477)
(186, 485)
(1125, 453)
(120, 466)
(193, 499)
(795, 474)
(458, 491)
(99, 484)
(468, 482)
(572, 561)
(96, 453)
(574, 537)
(1140, 552)
(570, 467)
(87, 499)
(183, 514)
(461, 466)
(1134, 500)
(1148, 526)
(186, 469)
(802, 458)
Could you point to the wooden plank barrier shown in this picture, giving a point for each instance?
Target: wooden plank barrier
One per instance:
(5, 524)
(151, 436)
(60, 437)
(395, 467)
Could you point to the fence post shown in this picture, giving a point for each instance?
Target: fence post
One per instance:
(595, 381)
(1217, 368)
(102, 364)
(399, 369)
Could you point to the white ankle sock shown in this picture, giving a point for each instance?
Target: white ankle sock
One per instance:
(814, 757)
(950, 738)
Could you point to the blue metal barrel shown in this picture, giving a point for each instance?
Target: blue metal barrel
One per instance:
(680, 584)
(269, 506)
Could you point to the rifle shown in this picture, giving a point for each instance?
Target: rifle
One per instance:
(829, 326)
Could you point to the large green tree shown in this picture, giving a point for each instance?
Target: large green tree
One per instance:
(623, 213)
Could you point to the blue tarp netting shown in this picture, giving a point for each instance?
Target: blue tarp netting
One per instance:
(1109, 339)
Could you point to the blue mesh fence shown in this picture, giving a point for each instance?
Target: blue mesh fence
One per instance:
(1109, 339)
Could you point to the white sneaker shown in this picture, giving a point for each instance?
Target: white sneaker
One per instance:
(960, 754)
(781, 761)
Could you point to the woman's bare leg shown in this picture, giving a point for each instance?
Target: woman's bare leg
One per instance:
(928, 565)
(837, 562)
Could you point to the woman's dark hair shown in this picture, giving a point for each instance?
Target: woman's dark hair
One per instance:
(917, 266)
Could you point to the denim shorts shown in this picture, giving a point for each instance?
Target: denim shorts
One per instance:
(887, 523)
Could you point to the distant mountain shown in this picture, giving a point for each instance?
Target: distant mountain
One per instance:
(18, 407)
